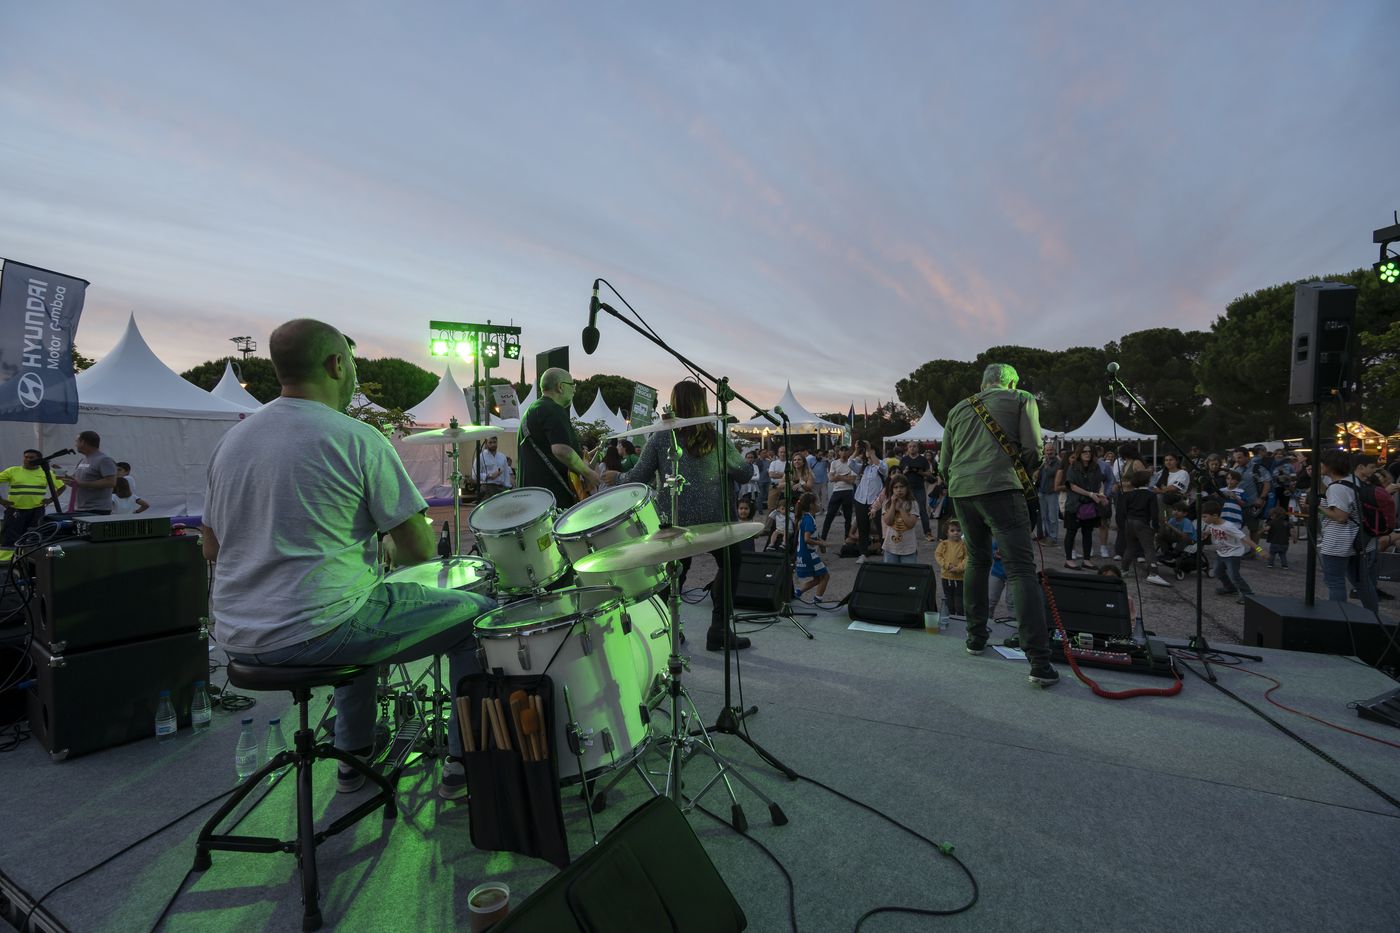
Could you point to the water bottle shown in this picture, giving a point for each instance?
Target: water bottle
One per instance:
(166, 724)
(201, 716)
(445, 542)
(245, 757)
(274, 745)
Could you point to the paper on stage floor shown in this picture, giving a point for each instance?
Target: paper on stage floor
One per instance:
(1013, 654)
(871, 627)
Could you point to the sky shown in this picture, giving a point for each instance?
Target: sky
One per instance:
(823, 193)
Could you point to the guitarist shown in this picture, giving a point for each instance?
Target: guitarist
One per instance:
(549, 452)
(991, 493)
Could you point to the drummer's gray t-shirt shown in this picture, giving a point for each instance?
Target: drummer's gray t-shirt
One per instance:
(296, 494)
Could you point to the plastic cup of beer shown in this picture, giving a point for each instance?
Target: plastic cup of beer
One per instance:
(489, 903)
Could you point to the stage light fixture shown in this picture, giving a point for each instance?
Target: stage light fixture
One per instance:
(464, 350)
(1388, 270)
(1388, 267)
(440, 348)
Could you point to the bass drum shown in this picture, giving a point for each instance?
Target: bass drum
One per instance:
(576, 636)
(515, 531)
(651, 643)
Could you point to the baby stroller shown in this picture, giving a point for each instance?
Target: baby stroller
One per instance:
(1182, 558)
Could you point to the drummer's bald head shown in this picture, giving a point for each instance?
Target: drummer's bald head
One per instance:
(550, 380)
(300, 348)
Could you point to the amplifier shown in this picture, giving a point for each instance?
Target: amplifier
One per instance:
(763, 581)
(122, 527)
(894, 594)
(1324, 627)
(88, 594)
(90, 700)
(1093, 604)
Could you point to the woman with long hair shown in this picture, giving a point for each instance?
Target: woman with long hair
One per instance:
(1082, 482)
(706, 465)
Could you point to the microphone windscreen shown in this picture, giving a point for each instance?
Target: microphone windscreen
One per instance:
(590, 339)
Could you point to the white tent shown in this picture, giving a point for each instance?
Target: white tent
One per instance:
(599, 411)
(147, 415)
(231, 390)
(430, 466)
(442, 405)
(801, 420)
(360, 400)
(1102, 427)
(926, 428)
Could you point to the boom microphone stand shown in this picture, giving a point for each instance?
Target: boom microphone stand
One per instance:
(729, 717)
(1198, 642)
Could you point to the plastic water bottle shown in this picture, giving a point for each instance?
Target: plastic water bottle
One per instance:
(245, 757)
(943, 617)
(274, 745)
(201, 716)
(166, 723)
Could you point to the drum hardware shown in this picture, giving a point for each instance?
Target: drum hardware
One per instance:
(574, 734)
(668, 422)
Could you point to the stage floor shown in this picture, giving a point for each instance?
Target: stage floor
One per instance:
(1073, 812)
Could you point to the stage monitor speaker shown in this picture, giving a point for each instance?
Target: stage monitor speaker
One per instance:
(88, 594)
(1323, 628)
(1324, 342)
(549, 359)
(90, 700)
(893, 594)
(1388, 568)
(763, 581)
(1091, 604)
(648, 873)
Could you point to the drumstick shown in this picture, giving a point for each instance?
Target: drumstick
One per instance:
(485, 739)
(498, 722)
(542, 737)
(517, 703)
(464, 720)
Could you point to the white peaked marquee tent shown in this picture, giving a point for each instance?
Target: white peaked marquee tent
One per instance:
(801, 421)
(599, 411)
(231, 390)
(430, 465)
(926, 428)
(147, 415)
(360, 400)
(1102, 427)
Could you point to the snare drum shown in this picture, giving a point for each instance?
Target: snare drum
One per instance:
(619, 514)
(575, 636)
(514, 532)
(473, 574)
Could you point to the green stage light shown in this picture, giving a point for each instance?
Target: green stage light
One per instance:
(1388, 270)
(439, 348)
(464, 350)
(513, 350)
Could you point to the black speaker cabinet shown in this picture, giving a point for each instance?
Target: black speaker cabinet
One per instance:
(88, 594)
(558, 357)
(90, 700)
(1091, 604)
(1323, 628)
(1388, 568)
(893, 594)
(1324, 342)
(763, 581)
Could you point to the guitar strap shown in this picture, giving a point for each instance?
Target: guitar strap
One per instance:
(1003, 440)
(549, 462)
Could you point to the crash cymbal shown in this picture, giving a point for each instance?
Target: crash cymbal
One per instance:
(667, 544)
(667, 424)
(471, 432)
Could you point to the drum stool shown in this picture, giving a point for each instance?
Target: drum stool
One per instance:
(304, 753)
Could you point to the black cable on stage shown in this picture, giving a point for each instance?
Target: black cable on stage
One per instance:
(1295, 737)
(787, 876)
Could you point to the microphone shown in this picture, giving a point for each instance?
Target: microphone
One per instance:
(590, 333)
(778, 410)
(57, 453)
(1113, 370)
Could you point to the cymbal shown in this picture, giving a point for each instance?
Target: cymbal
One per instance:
(667, 424)
(667, 544)
(471, 432)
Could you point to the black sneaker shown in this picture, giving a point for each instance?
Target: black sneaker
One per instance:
(347, 779)
(736, 643)
(1044, 675)
(975, 644)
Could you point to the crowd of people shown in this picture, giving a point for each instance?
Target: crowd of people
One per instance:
(97, 485)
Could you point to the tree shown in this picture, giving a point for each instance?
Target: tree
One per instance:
(258, 374)
(387, 421)
(591, 432)
(940, 384)
(1159, 366)
(80, 362)
(617, 392)
(401, 384)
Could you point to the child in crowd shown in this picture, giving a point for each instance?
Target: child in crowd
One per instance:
(124, 498)
(778, 524)
(743, 512)
(951, 556)
(1278, 531)
(1234, 500)
(899, 517)
(1231, 543)
(1140, 519)
(996, 586)
(811, 572)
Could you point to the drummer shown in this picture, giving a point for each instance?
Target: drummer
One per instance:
(700, 498)
(297, 492)
(549, 450)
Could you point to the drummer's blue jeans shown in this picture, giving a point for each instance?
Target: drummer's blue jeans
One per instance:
(399, 622)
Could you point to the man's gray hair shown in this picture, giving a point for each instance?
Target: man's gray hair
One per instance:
(1002, 375)
(550, 378)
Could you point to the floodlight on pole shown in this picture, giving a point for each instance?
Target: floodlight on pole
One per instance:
(1388, 267)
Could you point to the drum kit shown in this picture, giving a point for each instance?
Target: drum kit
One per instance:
(584, 597)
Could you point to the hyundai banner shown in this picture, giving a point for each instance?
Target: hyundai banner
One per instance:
(39, 313)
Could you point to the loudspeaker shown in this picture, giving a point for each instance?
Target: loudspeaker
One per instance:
(1323, 628)
(895, 594)
(763, 581)
(1324, 342)
(1388, 568)
(88, 594)
(1091, 604)
(548, 359)
(91, 700)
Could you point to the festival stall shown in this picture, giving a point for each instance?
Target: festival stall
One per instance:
(801, 421)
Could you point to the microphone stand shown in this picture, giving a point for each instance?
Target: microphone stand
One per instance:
(729, 717)
(48, 477)
(1198, 642)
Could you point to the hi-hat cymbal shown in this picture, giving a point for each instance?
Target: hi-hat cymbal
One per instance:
(665, 545)
(471, 432)
(667, 424)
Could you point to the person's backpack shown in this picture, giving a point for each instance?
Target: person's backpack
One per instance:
(1377, 509)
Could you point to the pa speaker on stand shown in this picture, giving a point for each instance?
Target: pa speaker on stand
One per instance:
(1323, 360)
